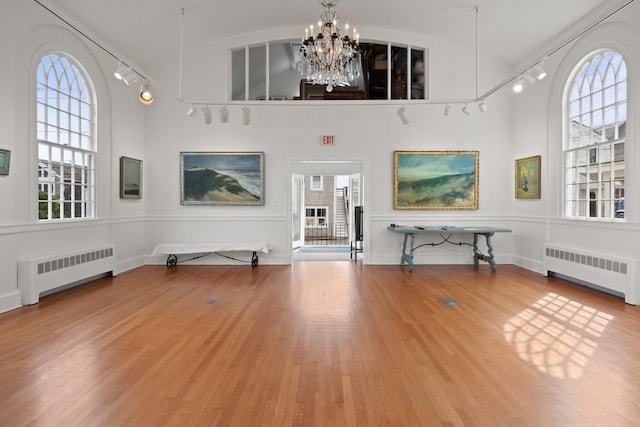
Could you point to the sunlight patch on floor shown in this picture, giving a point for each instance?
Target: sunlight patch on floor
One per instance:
(557, 335)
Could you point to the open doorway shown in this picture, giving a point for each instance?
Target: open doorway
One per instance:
(324, 197)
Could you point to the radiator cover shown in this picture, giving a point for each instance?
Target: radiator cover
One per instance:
(608, 271)
(40, 275)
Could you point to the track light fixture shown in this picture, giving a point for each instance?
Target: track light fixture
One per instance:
(146, 97)
(130, 78)
(121, 71)
(527, 78)
(465, 110)
(538, 72)
(482, 107)
(191, 111)
(224, 115)
(246, 116)
(518, 85)
(402, 115)
(206, 115)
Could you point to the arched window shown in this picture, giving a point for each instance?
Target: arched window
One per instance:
(66, 143)
(595, 123)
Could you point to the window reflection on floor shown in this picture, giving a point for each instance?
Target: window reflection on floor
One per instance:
(557, 335)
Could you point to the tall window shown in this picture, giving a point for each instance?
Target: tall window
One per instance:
(596, 121)
(66, 144)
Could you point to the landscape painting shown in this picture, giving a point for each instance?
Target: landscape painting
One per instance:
(130, 178)
(436, 180)
(221, 178)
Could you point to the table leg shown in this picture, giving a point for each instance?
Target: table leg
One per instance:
(477, 255)
(407, 257)
(491, 260)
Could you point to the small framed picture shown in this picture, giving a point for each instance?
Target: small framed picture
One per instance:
(527, 178)
(5, 157)
(130, 178)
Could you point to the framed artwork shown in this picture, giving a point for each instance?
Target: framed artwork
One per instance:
(220, 178)
(5, 157)
(435, 180)
(130, 178)
(527, 178)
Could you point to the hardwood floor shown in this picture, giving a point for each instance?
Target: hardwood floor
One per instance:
(322, 343)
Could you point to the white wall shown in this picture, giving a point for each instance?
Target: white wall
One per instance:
(367, 134)
(26, 32)
(538, 130)
(289, 132)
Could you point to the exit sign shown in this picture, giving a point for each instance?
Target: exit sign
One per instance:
(327, 140)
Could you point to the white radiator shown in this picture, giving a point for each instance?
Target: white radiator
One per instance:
(44, 274)
(611, 272)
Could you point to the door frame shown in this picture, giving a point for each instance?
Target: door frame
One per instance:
(307, 165)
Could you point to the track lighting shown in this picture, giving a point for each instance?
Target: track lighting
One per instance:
(518, 85)
(447, 109)
(206, 115)
(538, 72)
(246, 116)
(191, 111)
(122, 71)
(402, 115)
(482, 107)
(527, 78)
(224, 115)
(146, 97)
(465, 110)
(130, 78)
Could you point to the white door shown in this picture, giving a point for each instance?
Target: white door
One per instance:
(355, 199)
(297, 210)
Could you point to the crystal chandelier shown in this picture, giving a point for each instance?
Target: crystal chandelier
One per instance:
(330, 58)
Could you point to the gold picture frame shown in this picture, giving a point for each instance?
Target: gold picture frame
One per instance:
(527, 178)
(433, 180)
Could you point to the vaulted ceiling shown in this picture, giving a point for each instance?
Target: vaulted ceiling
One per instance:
(143, 31)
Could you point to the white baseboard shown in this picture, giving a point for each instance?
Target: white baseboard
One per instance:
(10, 301)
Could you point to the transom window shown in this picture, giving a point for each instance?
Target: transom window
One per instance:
(596, 122)
(66, 145)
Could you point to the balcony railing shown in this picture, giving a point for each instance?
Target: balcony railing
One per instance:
(328, 234)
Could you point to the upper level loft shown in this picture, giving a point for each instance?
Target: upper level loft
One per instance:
(269, 71)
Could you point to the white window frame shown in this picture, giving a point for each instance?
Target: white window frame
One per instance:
(316, 220)
(312, 183)
(595, 117)
(66, 146)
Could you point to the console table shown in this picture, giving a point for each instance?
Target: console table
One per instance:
(445, 234)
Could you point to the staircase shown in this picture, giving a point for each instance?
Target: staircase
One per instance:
(342, 230)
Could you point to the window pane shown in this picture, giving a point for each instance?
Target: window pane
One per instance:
(399, 72)
(418, 74)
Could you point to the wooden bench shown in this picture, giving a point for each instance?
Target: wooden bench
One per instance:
(204, 249)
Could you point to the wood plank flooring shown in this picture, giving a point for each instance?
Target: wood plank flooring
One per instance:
(322, 344)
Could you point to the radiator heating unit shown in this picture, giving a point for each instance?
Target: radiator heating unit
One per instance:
(37, 276)
(606, 271)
